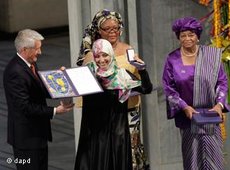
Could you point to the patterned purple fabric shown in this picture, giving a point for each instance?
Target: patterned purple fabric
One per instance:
(202, 151)
(207, 90)
(185, 24)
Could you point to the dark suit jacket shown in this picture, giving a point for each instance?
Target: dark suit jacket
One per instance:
(28, 114)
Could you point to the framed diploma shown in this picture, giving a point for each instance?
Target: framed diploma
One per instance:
(71, 82)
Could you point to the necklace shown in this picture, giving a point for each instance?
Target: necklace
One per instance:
(186, 54)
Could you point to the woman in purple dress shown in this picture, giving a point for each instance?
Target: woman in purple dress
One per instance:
(194, 78)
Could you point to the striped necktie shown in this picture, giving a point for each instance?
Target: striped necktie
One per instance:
(32, 67)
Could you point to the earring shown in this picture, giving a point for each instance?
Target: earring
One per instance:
(120, 33)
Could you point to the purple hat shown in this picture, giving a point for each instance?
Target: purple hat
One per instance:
(185, 24)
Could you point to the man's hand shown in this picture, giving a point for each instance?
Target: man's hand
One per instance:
(64, 107)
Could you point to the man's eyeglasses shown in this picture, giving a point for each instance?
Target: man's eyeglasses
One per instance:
(108, 29)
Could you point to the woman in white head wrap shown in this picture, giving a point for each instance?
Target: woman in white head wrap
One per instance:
(104, 142)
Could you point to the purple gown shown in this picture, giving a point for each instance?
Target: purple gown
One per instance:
(178, 83)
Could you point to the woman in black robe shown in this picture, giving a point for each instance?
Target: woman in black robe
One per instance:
(104, 142)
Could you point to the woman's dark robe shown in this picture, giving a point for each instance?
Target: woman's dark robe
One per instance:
(104, 142)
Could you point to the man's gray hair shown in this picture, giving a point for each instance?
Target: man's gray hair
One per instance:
(26, 38)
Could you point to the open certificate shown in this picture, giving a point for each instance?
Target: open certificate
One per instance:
(71, 82)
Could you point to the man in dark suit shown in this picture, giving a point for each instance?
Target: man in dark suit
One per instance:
(29, 128)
